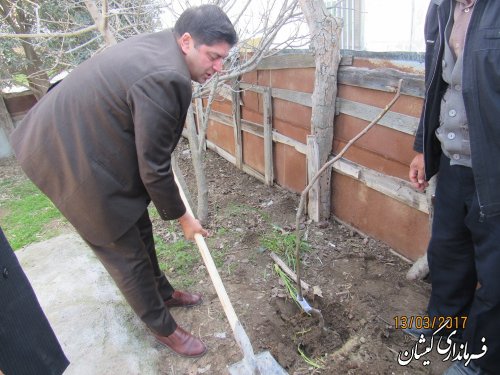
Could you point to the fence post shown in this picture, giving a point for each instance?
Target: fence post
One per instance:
(268, 136)
(238, 146)
(312, 168)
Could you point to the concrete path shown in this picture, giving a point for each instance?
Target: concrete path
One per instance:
(95, 326)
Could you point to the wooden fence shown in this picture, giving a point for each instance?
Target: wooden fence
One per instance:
(256, 132)
(264, 129)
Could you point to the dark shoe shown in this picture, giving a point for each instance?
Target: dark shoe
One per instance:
(459, 368)
(183, 343)
(183, 299)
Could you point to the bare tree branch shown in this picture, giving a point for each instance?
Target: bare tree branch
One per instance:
(50, 35)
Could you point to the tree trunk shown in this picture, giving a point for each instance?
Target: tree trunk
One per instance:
(100, 19)
(325, 33)
(197, 155)
(38, 79)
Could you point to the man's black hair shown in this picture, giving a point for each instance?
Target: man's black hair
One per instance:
(207, 24)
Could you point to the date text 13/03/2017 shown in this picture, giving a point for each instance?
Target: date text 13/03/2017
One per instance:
(428, 322)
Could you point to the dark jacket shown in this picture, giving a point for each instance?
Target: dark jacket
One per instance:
(481, 92)
(99, 143)
(29, 345)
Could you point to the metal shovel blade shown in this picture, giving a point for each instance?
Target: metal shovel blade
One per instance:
(266, 364)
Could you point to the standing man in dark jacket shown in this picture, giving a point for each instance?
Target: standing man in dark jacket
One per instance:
(28, 343)
(459, 135)
(99, 145)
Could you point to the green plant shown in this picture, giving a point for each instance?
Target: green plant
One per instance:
(217, 251)
(231, 267)
(218, 254)
(243, 209)
(178, 257)
(153, 212)
(288, 283)
(318, 363)
(283, 244)
(27, 214)
(221, 231)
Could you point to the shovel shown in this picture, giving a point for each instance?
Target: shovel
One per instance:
(262, 363)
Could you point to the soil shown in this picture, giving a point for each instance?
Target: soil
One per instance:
(362, 282)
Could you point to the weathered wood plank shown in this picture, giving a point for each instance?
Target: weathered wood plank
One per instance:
(247, 126)
(403, 123)
(288, 271)
(219, 150)
(238, 144)
(393, 187)
(221, 118)
(230, 158)
(290, 61)
(252, 87)
(252, 128)
(299, 146)
(257, 130)
(303, 98)
(383, 80)
(268, 137)
(312, 168)
(287, 61)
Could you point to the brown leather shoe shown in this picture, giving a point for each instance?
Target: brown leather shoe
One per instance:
(183, 299)
(183, 343)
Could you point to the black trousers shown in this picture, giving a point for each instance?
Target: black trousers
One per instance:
(28, 345)
(132, 263)
(465, 250)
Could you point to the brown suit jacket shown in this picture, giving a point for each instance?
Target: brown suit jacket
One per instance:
(99, 143)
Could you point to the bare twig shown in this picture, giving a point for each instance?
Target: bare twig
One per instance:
(50, 35)
(318, 175)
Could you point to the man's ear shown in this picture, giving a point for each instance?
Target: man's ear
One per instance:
(185, 42)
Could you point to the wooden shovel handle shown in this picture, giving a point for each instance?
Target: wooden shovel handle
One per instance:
(240, 335)
(212, 270)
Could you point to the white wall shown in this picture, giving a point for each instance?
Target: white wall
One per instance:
(5, 149)
(394, 25)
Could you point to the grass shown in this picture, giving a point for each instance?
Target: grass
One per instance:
(283, 244)
(243, 209)
(27, 214)
(178, 259)
(218, 255)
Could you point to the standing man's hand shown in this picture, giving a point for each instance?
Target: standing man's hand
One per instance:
(191, 226)
(417, 173)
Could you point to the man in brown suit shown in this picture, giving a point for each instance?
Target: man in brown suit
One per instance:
(99, 146)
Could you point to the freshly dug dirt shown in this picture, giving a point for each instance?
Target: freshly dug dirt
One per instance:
(362, 283)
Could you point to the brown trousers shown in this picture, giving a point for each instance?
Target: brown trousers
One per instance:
(132, 263)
